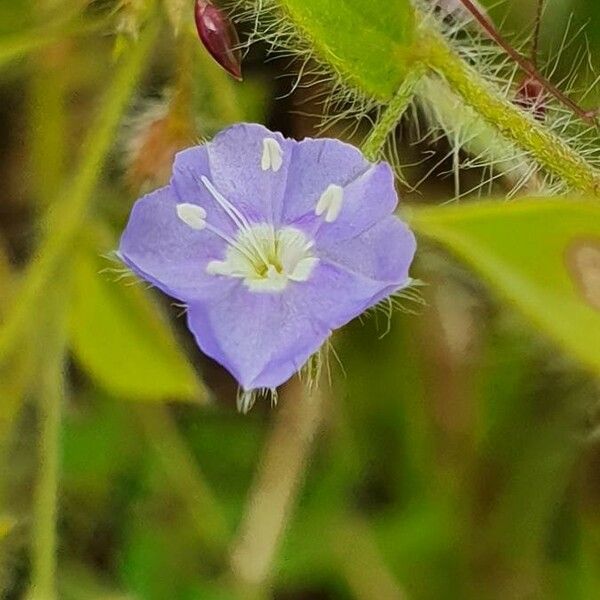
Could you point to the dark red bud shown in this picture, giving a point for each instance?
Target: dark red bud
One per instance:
(532, 96)
(219, 37)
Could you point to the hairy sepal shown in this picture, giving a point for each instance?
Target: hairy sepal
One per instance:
(365, 46)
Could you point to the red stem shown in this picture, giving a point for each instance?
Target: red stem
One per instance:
(527, 66)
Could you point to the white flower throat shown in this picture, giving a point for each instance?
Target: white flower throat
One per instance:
(267, 259)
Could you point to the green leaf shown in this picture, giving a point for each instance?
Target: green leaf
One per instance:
(367, 42)
(541, 255)
(122, 340)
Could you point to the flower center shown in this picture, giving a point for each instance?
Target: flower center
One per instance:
(266, 259)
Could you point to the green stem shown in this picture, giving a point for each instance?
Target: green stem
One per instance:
(51, 393)
(373, 145)
(275, 489)
(360, 562)
(184, 476)
(549, 150)
(68, 213)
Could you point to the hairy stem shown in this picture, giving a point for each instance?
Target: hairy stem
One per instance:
(375, 142)
(549, 150)
(275, 487)
(67, 214)
(527, 65)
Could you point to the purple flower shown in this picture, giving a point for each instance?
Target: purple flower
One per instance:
(272, 244)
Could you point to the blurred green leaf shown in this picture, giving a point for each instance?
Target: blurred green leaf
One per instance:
(123, 341)
(254, 99)
(21, 39)
(7, 523)
(104, 425)
(77, 581)
(541, 255)
(156, 564)
(366, 43)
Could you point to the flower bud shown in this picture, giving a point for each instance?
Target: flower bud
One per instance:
(532, 96)
(219, 37)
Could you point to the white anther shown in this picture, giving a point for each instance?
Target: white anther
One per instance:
(272, 155)
(330, 203)
(192, 215)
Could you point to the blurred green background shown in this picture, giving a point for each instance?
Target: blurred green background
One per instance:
(456, 455)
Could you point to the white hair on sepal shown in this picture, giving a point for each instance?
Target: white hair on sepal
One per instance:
(246, 399)
(344, 105)
(117, 271)
(181, 307)
(339, 99)
(407, 300)
(311, 375)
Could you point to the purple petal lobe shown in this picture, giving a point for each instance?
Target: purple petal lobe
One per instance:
(262, 339)
(357, 273)
(245, 168)
(219, 37)
(315, 165)
(365, 201)
(189, 169)
(162, 249)
(383, 253)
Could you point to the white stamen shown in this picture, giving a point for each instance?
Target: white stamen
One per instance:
(265, 259)
(330, 203)
(231, 242)
(288, 254)
(192, 215)
(272, 155)
(234, 214)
